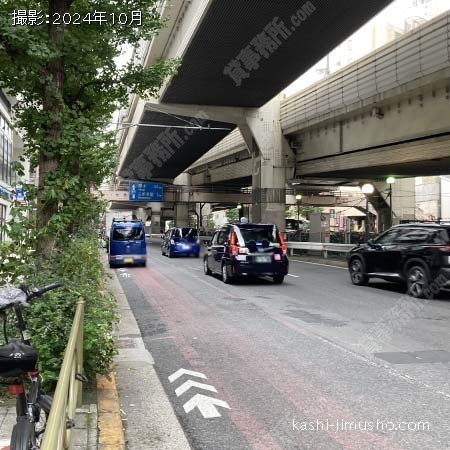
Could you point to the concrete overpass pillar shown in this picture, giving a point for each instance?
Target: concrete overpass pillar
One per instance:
(141, 214)
(155, 217)
(273, 163)
(182, 209)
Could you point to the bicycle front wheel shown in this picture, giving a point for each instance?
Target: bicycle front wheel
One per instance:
(23, 436)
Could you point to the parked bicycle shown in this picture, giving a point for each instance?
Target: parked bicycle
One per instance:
(18, 360)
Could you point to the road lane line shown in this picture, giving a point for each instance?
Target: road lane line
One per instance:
(294, 276)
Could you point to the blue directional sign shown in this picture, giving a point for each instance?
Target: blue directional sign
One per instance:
(146, 192)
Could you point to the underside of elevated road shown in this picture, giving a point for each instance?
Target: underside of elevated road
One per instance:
(310, 30)
(164, 151)
(237, 54)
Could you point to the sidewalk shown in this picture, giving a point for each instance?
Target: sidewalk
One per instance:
(339, 262)
(148, 418)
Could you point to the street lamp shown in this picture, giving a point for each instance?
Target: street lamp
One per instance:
(367, 189)
(390, 181)
(298, 197)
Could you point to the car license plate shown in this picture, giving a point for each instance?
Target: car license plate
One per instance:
(127, 260)
(262, 259)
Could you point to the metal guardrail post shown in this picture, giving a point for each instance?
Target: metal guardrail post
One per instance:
(68, 393)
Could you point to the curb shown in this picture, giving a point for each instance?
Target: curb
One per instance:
(110, 430)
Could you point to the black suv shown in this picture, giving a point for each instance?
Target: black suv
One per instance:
(417, 254)
(247, 249)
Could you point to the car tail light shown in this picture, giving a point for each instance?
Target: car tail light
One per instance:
(443, 248)
(282, 243)
(234, 248)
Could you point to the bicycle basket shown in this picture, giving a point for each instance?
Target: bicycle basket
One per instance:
(16, 359)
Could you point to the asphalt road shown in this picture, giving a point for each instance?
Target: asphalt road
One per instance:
(315, 363)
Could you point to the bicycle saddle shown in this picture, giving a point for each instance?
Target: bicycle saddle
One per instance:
(11, 295)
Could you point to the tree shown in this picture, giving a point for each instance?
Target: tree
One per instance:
(305, 211)
(232, 215)
(68, 87)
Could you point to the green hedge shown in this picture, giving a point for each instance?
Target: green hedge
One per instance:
(80, 270)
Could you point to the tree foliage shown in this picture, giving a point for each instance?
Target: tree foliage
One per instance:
(68, 86)
(232, 215)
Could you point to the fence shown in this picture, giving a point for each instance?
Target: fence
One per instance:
(58, 433)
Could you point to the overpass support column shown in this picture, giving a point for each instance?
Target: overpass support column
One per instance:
(182, 209)
(273, 163)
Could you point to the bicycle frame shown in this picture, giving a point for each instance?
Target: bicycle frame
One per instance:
(28, 406)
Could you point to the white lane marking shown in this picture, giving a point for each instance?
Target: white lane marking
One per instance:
(125, 275)
(189, 383)
(317, 264)
(293, 276)
(180, 372)
(206, 405)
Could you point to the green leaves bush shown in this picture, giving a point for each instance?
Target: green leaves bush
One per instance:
(79, 268)
(50, 319)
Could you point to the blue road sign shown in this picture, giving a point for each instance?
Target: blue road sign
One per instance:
(146, 192)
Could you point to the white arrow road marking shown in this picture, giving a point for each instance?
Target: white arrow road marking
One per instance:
(294, 276)
(206, 405)
(186, 386)
(182, 372)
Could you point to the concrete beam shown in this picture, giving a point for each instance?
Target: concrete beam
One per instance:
(216, 113)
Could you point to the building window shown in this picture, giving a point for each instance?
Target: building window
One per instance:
(5, 151)
(2, 222)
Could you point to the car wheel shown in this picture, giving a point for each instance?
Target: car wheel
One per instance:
(170, 254)
(278, 279)
(418, 282)
(357, 275)
(206, 268)
(226, 278)
(197, 255)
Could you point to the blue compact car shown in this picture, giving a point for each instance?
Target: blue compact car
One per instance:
(181, 241)
(127, 243)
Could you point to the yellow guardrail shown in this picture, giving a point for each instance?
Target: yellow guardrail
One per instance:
(68, 391)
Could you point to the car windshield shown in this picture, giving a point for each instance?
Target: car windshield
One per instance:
(128, 233)
(259, 235)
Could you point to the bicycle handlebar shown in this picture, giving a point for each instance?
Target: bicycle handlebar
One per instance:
(43, 290)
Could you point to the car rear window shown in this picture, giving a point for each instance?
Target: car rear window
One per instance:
(259, 235)
(189, 232)
(128, 233)
(441, 237)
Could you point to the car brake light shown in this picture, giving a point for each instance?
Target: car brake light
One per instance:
(441, 248)
(282, 243)
(234, 248)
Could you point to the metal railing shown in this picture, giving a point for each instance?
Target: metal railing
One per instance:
(58, 433)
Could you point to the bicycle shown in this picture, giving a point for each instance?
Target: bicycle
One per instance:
(18, 359)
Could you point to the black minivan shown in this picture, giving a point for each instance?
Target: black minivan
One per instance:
(247, 250)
